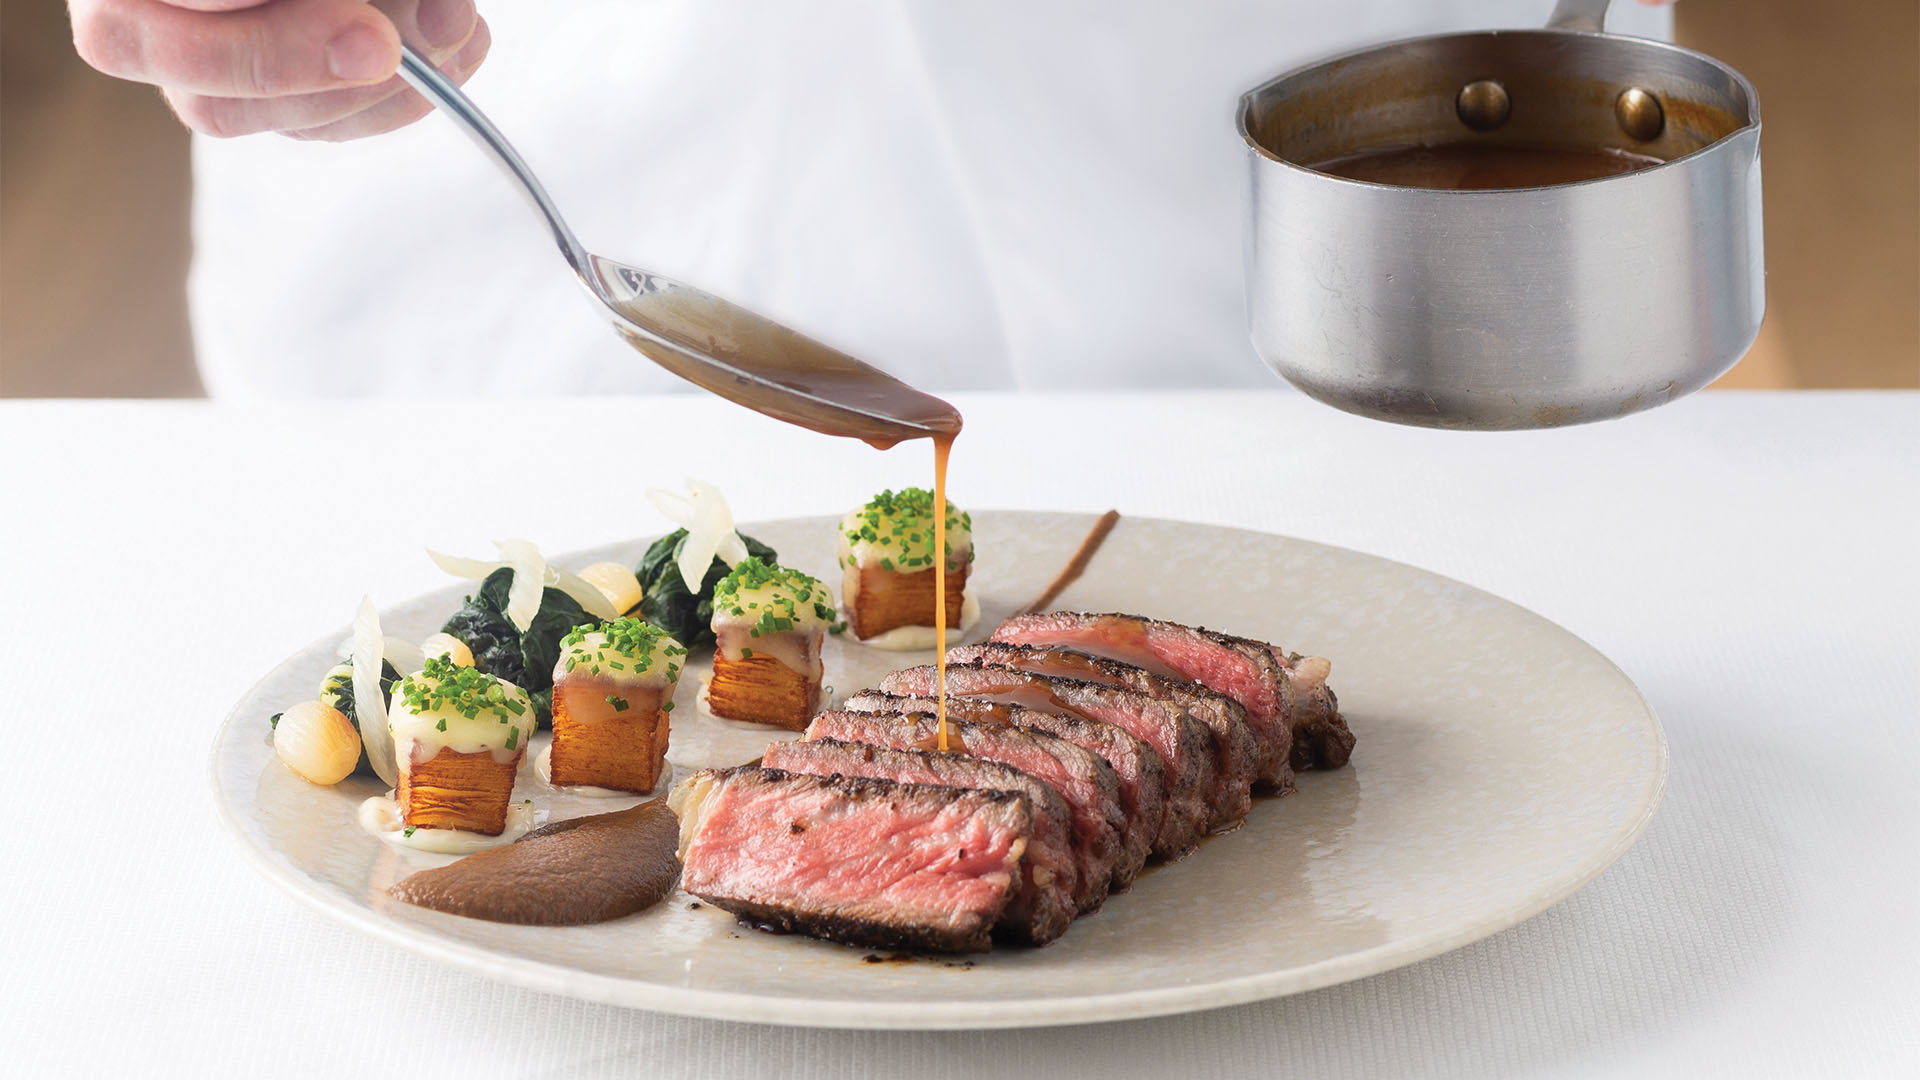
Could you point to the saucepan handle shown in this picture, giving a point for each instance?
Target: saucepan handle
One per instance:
(1585, 16)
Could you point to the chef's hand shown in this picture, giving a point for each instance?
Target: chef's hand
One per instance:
(311, 69)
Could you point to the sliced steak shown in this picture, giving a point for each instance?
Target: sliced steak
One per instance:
(1086, 783)
(1268, 682)
(1139, 768)
(1273, 769)
(1196, 793)
(1321, 739)
(1042, 906)
(856, 860)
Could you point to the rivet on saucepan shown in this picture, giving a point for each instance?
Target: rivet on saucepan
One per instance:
(1641, 116)
(1483, 105)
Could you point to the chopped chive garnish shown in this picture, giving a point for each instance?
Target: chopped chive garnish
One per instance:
(444, 685)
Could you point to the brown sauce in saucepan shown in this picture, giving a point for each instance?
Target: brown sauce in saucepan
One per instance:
(1483, 166)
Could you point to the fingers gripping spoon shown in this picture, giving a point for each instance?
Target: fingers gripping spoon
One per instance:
(710, 342)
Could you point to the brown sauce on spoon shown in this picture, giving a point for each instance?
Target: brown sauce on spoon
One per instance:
(570, 873)
(724, 348)
(1468, 166)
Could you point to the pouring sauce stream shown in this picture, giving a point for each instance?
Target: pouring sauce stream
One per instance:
(942, 448)
(788, 376)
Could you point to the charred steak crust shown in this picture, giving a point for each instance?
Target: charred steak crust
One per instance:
(1042, 906)
(1137, 766)
(849, 930)
(1273, 769)
(978, 710)
(732, 887)
(1083, 779)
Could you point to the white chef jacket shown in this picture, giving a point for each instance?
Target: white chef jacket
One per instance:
(971, 195)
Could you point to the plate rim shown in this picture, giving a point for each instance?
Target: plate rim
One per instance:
(1001, 1013)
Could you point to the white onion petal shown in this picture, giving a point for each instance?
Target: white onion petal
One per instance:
(704, 513)
(585, 593)
(529, 580)
(404, 655)
(369, 704)
(473, 569)
(672, 505)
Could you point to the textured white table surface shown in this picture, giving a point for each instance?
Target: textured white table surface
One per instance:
(1751, 560)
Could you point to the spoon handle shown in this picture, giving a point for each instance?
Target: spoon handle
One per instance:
(1586, 16)
(441, 91)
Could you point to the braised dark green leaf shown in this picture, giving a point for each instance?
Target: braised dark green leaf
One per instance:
(500, 649)
(665, 601)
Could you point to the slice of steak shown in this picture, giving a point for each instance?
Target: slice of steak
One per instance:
(1139, 768)
(983, 710)
(1086, 783)
(1322, 739)
(851, 859)
(1267, 681)
(1197, 790)
(1273, 770)
(1042, 906)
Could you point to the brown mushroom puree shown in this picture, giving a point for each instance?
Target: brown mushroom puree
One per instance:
(573, 872)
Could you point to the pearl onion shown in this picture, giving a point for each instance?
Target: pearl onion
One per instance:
(445, 644)
(318, 742)
(617, 582)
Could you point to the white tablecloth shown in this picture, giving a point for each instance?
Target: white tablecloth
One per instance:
(1750, 560)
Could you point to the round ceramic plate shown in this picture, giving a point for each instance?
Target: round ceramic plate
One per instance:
(1501, 764)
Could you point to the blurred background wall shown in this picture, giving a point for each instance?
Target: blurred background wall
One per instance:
(94, 193)
(95, 186)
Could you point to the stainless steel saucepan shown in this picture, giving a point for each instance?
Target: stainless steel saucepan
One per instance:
(1519, 307)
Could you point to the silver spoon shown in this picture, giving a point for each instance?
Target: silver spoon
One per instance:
(705, 340)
